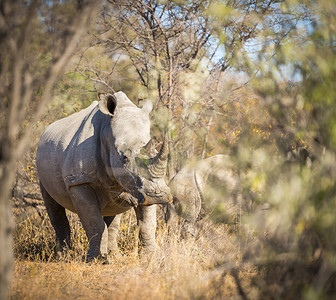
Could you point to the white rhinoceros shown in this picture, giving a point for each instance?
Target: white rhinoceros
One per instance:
(210, 182)
(87, 163)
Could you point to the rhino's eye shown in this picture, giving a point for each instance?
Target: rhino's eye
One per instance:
(125, 160)
(126, 156)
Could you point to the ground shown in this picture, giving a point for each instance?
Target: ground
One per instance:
(127, 278)
(179, 269)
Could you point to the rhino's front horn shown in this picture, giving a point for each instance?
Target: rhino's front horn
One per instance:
(157, 169)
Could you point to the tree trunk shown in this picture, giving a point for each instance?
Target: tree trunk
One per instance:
(7, 176)
(17, 92)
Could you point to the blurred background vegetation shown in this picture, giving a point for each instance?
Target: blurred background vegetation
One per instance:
(248, 78)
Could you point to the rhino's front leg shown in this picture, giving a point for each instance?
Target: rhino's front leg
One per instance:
(146, 216)
(58, 220)
(86, 203)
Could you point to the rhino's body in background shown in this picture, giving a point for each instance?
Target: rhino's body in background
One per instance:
(87, 164)
(209, 182)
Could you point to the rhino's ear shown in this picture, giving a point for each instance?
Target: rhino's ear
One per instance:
(146, 105)
(107, 103)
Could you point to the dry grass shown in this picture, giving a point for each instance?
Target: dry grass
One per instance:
(128, 278)
(179, 269)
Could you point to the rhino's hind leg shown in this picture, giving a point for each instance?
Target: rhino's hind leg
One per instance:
(86, 204)
(58, 220)
(112, 224)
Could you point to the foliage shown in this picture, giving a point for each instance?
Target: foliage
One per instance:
(291, 169)
(182, 56)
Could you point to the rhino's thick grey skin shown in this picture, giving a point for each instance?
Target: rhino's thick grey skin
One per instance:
(110, 241)
(190, 187)
(146, 220)
(146, 217)
(87, 164)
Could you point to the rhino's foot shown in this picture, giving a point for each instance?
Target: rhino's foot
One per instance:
(115, 254)
(62, 246)
(100, 259)
(188, 230)
(105, 260)
(87, 259)
(61, 252)
(148, 250)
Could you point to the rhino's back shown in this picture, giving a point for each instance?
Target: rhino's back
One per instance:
(61, 132)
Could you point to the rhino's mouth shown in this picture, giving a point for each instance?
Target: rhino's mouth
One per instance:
(163, 198)
(141, 199)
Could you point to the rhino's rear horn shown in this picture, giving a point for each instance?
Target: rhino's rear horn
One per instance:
(157, 168)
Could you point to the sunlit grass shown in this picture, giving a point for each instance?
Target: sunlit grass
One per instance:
(179, 269)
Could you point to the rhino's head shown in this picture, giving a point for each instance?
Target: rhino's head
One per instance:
(127, 133)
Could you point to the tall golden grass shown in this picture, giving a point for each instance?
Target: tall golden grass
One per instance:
(179, 269)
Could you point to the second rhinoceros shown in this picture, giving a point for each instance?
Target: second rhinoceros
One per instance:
(211, 183)
(88, 164)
